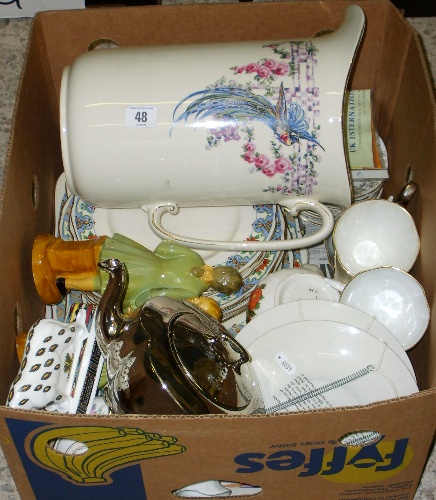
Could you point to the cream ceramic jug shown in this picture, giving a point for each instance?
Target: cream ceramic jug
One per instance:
(244, 123)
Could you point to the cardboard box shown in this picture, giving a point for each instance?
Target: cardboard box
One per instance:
(294, 455)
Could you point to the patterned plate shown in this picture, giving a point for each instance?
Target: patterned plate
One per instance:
(77, 221)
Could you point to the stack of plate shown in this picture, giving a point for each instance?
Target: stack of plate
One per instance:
(312, 354)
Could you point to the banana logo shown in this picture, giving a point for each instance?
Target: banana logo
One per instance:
(94, 451)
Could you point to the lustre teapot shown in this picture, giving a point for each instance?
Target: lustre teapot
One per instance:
(169, 357)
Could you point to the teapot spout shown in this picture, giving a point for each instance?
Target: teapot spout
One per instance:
(110, 320)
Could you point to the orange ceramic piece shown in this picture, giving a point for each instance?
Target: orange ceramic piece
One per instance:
(53, 258)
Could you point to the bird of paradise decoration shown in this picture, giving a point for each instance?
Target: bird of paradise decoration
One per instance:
(287, 121)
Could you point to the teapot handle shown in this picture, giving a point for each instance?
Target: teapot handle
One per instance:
(244, 357)
(294, 205)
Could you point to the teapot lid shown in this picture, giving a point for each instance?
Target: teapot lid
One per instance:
(212, 361)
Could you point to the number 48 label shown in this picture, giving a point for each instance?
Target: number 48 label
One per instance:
(141, 116)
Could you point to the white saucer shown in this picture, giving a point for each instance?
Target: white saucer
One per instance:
(395, 298)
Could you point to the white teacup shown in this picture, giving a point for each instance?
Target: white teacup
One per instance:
(287, 285)
(394, 298)
(246, 123)
(373, 234)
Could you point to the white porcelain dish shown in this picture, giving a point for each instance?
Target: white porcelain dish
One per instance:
(320, 310)
(287, 285)
(395, 298)
(323, 364)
